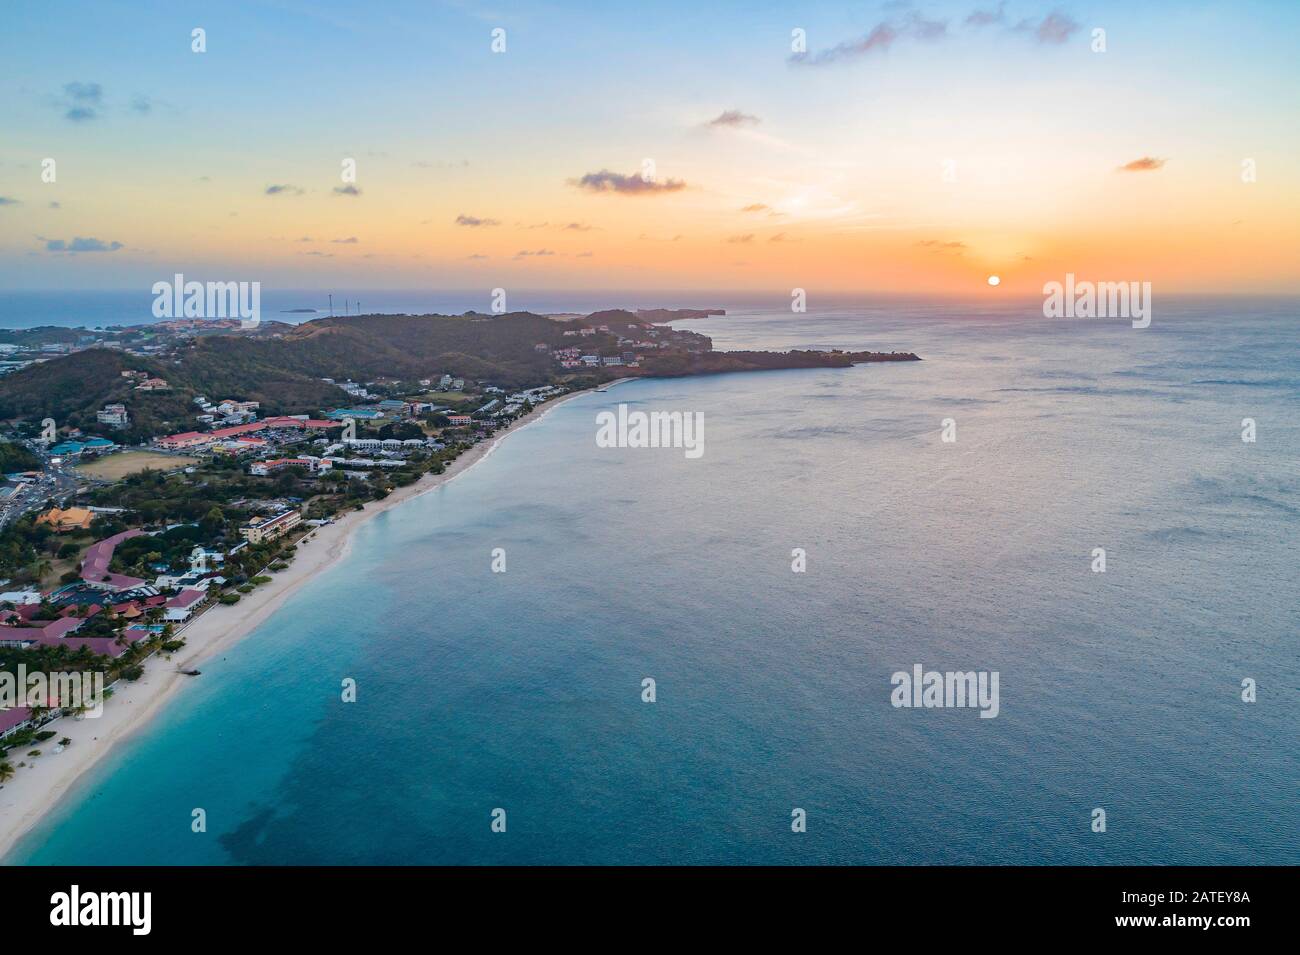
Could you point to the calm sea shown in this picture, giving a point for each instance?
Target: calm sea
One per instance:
(522, 690)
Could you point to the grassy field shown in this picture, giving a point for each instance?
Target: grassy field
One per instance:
(114, 467)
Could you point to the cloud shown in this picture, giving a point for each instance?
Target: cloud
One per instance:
(350, 240)
(283, 190)
(348, 190)
(633, 185)
(475, 222)
(1145, 164)
(84, 92)
(755, 207)
(733, 118)
(585, 255)
(476, 255)
(982, 18)
(577, 227)
(741, 239)
(1056, 27)
(80, 245)
(937, 245)
(141, 104)
(56, 205)
(305, 238)
(6, 201)
(524, 253)
(83, 101)
(882, 36)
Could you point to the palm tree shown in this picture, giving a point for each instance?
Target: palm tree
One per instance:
(6, 771)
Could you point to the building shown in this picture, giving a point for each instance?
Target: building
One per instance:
(152, 384)
(263, 468)
(269, 528)
(115, 416)
(181, 607)
(94, 567)
(459, 420)
(73, 519)
(358, 414)
(15, 719)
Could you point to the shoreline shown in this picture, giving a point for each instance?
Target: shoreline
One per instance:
(37, 788)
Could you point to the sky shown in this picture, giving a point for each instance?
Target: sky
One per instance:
(911, 148)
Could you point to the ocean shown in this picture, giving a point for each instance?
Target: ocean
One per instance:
(522, 690)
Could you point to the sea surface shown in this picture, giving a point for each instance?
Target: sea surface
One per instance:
(523, 690)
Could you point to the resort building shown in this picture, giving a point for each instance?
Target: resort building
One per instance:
(15, 719)
(269, 528)
(181, 607)
(73, 519)
(115, 416)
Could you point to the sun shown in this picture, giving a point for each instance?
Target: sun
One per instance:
(994, 280)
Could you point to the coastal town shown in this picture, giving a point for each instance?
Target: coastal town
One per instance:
(137, 498)
(111, 549)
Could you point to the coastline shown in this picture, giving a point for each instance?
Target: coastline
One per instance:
(36, 789)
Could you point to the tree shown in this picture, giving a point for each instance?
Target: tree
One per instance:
(6, 771)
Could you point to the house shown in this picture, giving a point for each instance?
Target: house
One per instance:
(459, 420)
(14, 719)
(269, 528)
(115, 416)
(181, 607)
(263, 468)
(73, 519)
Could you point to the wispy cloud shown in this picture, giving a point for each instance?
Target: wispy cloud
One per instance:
(1054, 28)
(881, 37)
(350, 240)
(938, 245)
(348, 190)
(7, 201)
(1145, 164)
(283, 190)
(633, 185)
(80, 244)
(83, 101)
(733, 118)
(741, 239)
(524, 253)
(983, 18)
(755, 207)
(475, 222)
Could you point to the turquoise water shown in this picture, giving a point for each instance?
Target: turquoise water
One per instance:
(522, 690)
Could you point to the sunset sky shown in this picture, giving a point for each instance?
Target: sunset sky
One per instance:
(913, 148)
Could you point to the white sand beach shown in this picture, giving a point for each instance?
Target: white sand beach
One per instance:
(37, 786)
